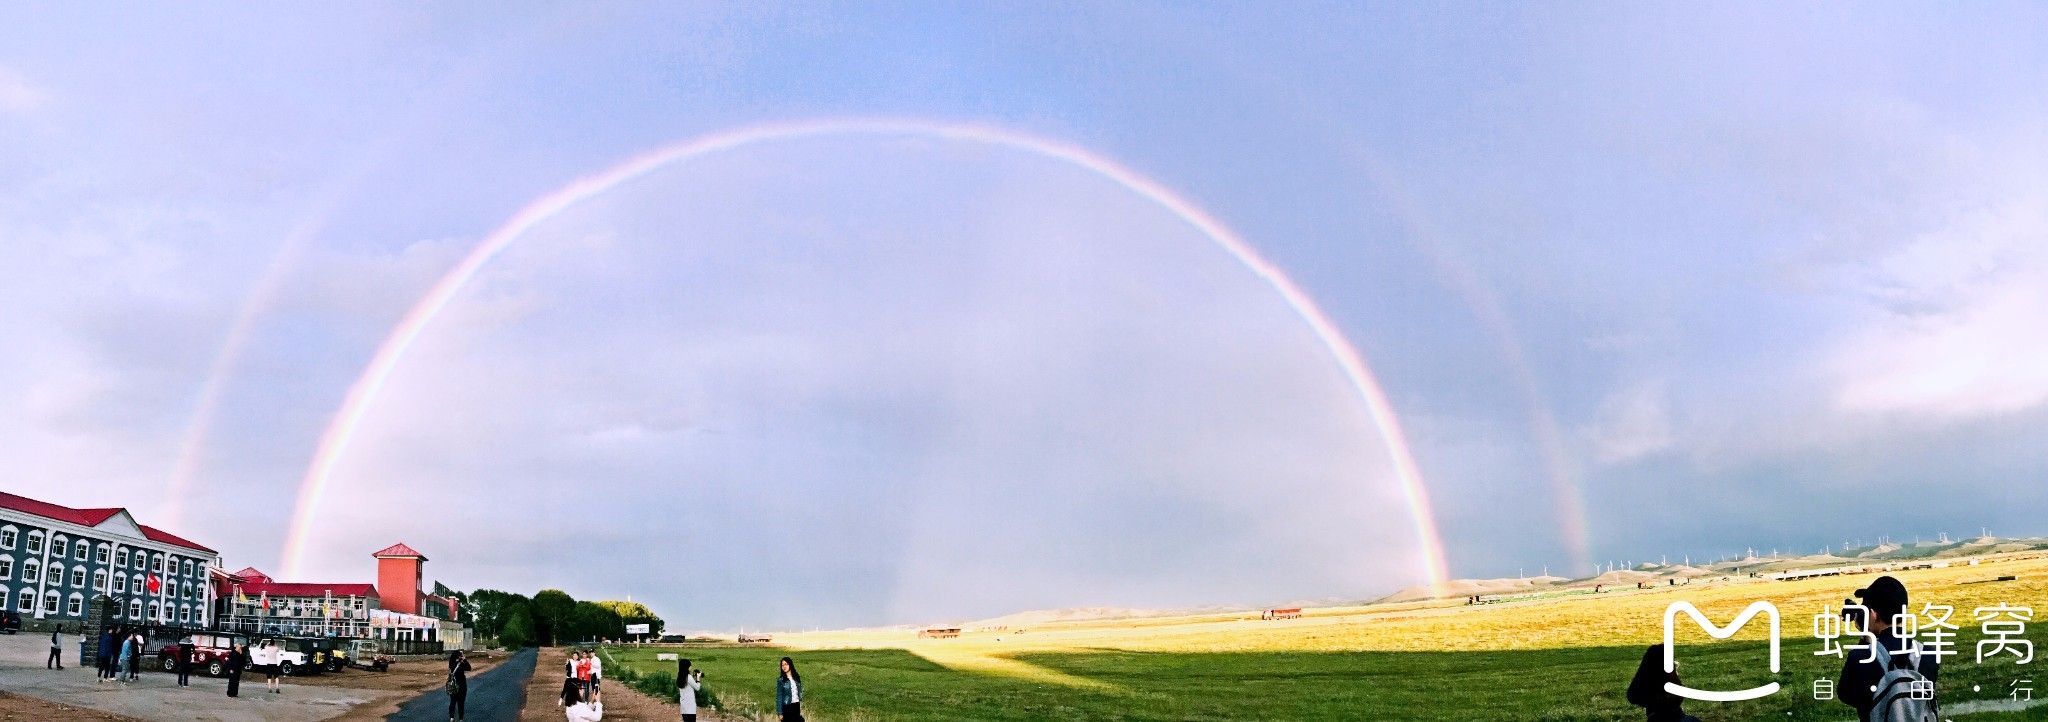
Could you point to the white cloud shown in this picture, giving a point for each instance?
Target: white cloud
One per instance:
(1955, 322)
(1632, 423)
(17, 95)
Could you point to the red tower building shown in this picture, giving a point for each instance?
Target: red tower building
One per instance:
(400, 572)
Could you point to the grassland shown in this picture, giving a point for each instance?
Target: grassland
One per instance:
(1558, 659)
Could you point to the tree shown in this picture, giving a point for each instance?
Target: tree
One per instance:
(633, 613)
(518, 629)
(595, 621)
(552, 609)
(488, 609)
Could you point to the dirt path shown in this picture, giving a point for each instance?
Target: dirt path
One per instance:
(620, 701)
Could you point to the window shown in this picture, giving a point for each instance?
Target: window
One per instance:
(100, 556)
(58, 546)
(157, 563)
(78, 576)
(184, 614)
(6, 570)
(134, 609)
(120, 582)
(99, 579)
(79, 552)
(55, 573)
(152, 610)
(141, 560)
(188, 567)
(7, 535)
(3, 597)
(27, 601)
(75, 606)
(121, 557)
(50, 602)
(35, 542)
(31, 571)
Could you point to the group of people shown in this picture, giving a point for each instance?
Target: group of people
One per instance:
(1878, 682)
(120, 654)
(789, 693)
(582, 676)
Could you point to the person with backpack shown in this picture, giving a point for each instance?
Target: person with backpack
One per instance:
(56, 660)
(458, 684)
(687, 683)
(789, 692)
(1647, 691)
(1880, 681)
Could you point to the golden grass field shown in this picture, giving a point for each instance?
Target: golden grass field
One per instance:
(1565, 658)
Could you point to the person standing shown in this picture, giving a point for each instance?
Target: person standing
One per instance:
(56, 660)
(272, 658)
(105, 668)
(1881, 679)
(458, 684)
(596, 678)
(571, 693)
(789, 692)
(127, 653)
(185, 663)
(238, 659)
(135, 660)
(583, 674)
(687, 683)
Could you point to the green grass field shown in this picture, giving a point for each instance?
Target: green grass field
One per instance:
(1567, 659)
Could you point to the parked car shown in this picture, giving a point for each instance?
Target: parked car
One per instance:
(10, 623)
(209, 652)
(367, 654)
(298, 655)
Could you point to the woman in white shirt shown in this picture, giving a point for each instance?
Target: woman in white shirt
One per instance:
(687, 683)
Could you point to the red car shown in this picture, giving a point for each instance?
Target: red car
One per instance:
(209, 652)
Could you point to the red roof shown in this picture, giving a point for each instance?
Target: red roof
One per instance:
(89, 517)
(252, 574)
(308, 589)
(400, 550)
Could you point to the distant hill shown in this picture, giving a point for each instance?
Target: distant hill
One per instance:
(1649, 572)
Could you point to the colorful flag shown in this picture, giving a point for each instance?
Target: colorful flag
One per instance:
(155, 584)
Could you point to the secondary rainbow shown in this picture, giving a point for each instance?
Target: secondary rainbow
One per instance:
(342, 427)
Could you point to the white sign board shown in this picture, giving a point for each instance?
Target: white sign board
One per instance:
(638, 629)
(667, 657)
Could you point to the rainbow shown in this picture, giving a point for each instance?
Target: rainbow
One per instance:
(341, 429)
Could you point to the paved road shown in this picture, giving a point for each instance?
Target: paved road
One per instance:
(495, 695)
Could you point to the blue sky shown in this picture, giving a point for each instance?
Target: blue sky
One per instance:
(1772, 277)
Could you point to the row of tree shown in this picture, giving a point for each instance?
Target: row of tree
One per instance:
(550, 617)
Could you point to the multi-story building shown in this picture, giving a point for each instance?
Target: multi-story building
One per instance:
(54, 560)
(251, 601)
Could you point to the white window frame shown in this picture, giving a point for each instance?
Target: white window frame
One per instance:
(26, 601)
(99, 555)
(31, 571)
(134, 609)
(9, 535)
(35, 541)
(6, 571)
(76, 605)
(99, 579)
(50, 602)
(60, 546)
(121, 557)
(120, 582)
(79, 550)
(78, 577)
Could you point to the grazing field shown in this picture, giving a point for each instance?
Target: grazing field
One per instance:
(1558, 659)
